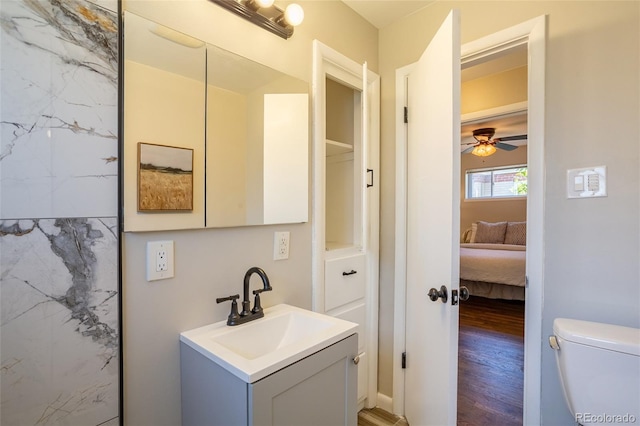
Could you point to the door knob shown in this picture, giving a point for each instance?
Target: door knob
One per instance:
(442, 294)
(464, 293)
(459, 295)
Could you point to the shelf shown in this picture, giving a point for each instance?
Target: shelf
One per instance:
(332, 245)
(336, 250)
(336, 148)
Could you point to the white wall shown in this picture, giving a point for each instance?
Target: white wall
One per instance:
(226, 157)
(211, 263)
(592, 118)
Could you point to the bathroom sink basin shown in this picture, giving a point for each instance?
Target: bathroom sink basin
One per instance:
(261, 347)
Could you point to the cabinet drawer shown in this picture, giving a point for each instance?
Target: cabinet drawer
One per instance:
(344, 280)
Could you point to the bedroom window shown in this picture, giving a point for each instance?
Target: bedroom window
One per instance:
(498, 182)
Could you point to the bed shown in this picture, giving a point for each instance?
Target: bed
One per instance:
(493, 261)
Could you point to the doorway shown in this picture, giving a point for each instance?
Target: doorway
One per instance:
(532, 34)
(493, 197)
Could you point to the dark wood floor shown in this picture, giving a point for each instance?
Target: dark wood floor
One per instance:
(490, 362)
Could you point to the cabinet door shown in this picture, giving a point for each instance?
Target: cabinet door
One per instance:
(355, 313)
(358, 315)
(319, 390)
(210, 394)
(363, 375)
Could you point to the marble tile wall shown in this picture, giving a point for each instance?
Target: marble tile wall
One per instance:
(59, 330)
(59, 109)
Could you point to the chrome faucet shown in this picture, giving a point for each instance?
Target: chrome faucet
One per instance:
(247, 313)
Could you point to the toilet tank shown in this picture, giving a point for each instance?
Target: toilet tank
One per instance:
(599, 366)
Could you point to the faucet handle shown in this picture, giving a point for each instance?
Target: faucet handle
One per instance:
(226, 299)
(233, 315)
(257, 307)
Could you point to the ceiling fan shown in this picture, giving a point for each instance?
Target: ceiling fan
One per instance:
(486, 145)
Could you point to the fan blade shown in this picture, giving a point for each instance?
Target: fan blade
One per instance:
(468, 150)
(505, 146)
(512, 138)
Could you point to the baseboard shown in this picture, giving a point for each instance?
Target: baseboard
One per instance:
(385, 402)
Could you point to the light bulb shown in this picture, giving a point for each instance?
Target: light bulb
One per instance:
(483, 150)
(294, 14)
(264, 3)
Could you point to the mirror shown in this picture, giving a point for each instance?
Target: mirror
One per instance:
(254, 161)
(257, 143)
(164, 105)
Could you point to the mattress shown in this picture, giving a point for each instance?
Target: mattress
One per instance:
(493, 263)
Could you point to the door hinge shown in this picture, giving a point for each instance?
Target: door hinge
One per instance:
(370, 173)
(404, 360)
(406, 114)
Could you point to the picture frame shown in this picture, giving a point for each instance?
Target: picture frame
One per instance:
(165, 178)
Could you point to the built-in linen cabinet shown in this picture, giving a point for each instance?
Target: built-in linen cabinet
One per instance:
(346, 202)
(343, 164)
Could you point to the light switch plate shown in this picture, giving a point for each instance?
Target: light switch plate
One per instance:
(587, 182)
(159, 260)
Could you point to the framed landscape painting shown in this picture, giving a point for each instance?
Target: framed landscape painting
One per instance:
(165, 178)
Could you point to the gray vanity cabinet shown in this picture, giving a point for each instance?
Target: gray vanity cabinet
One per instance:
(320, 389)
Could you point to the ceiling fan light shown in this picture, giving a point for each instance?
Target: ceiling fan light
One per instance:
(484, 150)
(484, 135)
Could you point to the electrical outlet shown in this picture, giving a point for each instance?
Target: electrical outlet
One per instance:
(280, 245)
(159, 260)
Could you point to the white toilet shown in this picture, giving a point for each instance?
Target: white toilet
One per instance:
(599, 367)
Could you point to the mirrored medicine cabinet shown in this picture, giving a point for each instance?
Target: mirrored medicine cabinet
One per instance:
(244, 125)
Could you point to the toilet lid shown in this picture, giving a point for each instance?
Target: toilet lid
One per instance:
(605, 336)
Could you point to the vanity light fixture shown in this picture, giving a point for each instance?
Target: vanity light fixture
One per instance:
(267, 15)
(256, 4)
